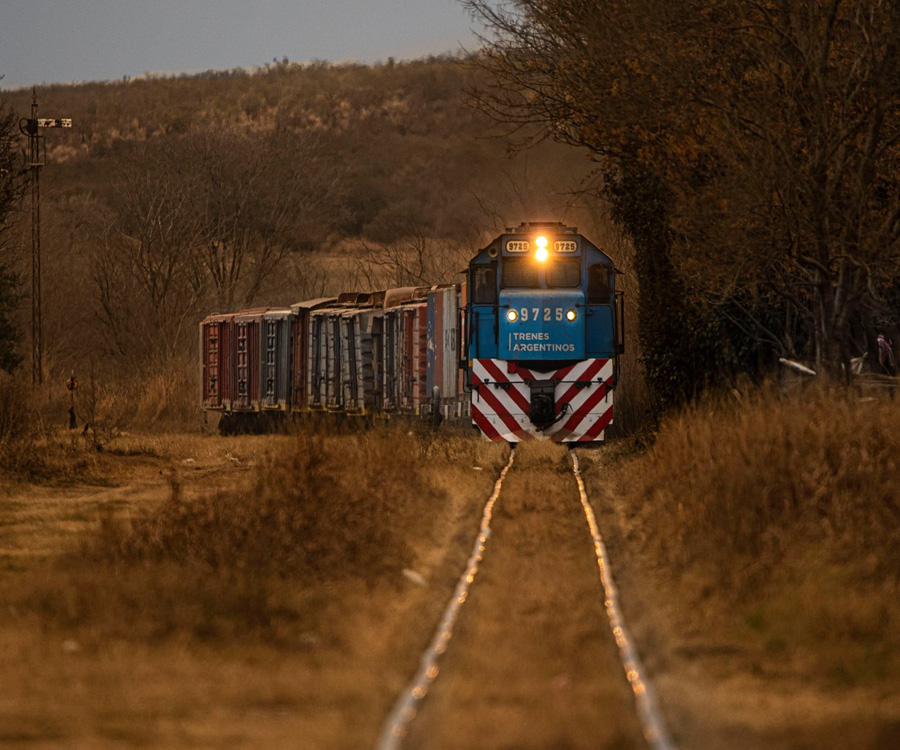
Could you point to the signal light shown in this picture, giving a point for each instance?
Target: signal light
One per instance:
(571, 315)
(512, 316)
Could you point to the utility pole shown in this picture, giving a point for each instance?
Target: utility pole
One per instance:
(34, 160)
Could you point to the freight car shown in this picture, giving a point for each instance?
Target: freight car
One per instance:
(531, 355)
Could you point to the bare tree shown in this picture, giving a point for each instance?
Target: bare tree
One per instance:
(256, 197)
(749, 147)
(149, 287)
(414, 261)
(11, 187)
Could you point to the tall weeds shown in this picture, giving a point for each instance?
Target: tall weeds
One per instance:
(30, 449)
(733, 484)
(326, 508)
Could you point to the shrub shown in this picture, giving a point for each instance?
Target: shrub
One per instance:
(733, 484)
(325, 508)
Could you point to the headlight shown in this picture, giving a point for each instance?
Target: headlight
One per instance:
(571, 315)
(541, 254)
(512, 316)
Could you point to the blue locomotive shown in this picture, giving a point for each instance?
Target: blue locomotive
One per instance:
(544, 327)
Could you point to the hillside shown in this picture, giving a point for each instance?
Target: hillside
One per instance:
(307, 178)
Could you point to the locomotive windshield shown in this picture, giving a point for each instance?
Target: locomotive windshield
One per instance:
(564, 273)
(520, 273)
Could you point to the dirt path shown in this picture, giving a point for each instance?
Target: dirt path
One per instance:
(532, 663)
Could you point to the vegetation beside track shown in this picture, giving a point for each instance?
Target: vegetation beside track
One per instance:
(759, 544)
(278, 602)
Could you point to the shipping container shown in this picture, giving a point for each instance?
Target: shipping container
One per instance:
(405, 357)
(325, 388)
(217, 353)
(247, 359)
(300, 377)
(276, 350)
(333, 388)
(361, 358)
(464, 400)
(443, 347)
(404, 350)
(316, 360)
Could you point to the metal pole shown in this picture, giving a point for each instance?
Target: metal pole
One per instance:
(36, 159)
(37, 323)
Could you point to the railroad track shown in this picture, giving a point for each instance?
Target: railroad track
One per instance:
(410, 700)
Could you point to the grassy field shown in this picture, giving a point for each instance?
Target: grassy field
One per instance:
(186, 590)
(197, 591)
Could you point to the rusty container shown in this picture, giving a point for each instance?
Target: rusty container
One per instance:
(217, 361)
(412, 356)
(248, 326)
(324, 358)
(361, 357)
(404, 349)
(300, 358)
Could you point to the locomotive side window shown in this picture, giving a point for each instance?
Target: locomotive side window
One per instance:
(522, 273)
(484, 284)
(599, 288)
(564, 273)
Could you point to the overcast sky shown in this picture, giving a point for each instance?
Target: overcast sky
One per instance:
(50, 41)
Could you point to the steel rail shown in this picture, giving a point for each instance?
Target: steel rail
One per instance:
(651, 720)
(407, 704)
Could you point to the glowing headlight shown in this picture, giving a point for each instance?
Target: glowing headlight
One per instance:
(541, 254)
(512, 316)
(571, 315)
(541, 242)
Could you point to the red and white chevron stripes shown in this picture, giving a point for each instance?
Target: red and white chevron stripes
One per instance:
(501, 401)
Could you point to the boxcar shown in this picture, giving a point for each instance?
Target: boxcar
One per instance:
(216, 361)
(275, 346)
(247, 360)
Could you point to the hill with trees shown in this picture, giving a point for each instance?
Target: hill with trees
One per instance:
(172, 197)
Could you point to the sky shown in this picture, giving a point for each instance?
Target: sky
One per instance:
(56, 41)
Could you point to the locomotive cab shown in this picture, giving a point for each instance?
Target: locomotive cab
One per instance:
(543, 328)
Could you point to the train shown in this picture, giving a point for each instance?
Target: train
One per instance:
(527, 346)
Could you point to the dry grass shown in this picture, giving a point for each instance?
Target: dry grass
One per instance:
(31, 448)
(313, 510)
(234, 564)
(116, 641)
(773, 522)
(747, 478)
